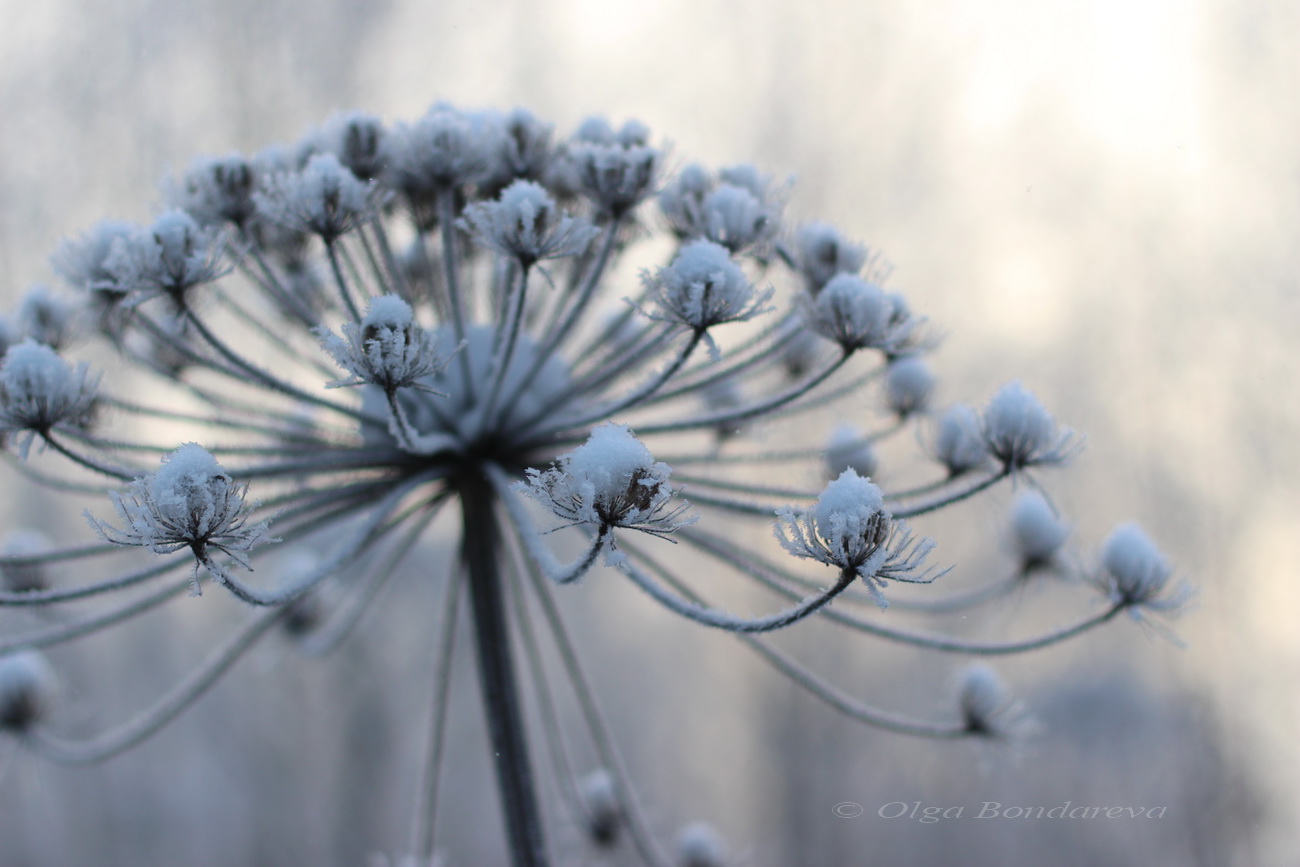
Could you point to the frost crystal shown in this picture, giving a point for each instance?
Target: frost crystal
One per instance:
(849, 527)
(39, 391)
(190, 502)
(387, 348)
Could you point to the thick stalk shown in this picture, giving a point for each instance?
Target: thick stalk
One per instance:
(501, 697)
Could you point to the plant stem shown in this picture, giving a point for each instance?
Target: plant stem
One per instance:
(501, 699)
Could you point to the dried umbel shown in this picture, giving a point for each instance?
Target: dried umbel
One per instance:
(383, 327)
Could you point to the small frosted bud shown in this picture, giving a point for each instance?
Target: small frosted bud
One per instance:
(168, 257)
(525, 224)
(847, 449)
(849, 528)
(442, 150)
(604, 809)
(26, 690)
(698, 845)
(611, 480)
(23, 577)
(821, 253)
(1137, 573)
(987, 710)
(387, 348)
(703, 287)
(1036, 530)
(218, 190)
(527, 144)
(682, 200)
(958, 442)
(1020, 433)
(82, 261)
(357, 139)
(325, 198)
(40, 391)
(909, 385)
(615, 177)
(860, 315)
(737, 219)
(46, 318)
(801, 351)
(190, 502)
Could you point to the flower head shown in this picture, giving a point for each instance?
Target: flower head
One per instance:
(189, 502)
(850, 528)
(325, 198)
(1037, 531)
(39, 392)
(526, 225)
(702, 287)
(1136, 575)
(610, 481)
(387, 348)
(860, 315)
(987, 710)
(1020, 433)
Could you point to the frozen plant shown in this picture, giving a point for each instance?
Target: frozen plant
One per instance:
(385, 327)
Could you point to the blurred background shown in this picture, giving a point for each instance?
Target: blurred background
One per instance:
(1101, 199)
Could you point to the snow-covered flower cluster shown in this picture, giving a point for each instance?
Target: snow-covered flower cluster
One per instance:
(386, 327)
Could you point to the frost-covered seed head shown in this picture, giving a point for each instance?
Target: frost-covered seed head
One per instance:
(190, 502)
(442, 150)
(737, 219)
(1036, 530)
(26, 690)
(698, 845)
(848, 450)
(46, 318)
(357, 139)
(526, 225)
(325, 198)
(611, 480)
(860, 315)
(801, 349)
(387, 348)
(1019, 432)
(958, 442)
(987, 710)
(82, 261)
(822, 252)
(527, 150)
(169, 257)
(702, 287)
(682, 200)
(40, 391)
(218, 190)
(909, 385)
(603, 807)
(1137, 573)
(615, 177)
(850, 528)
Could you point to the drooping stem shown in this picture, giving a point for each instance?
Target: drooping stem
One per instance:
(501, 698)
